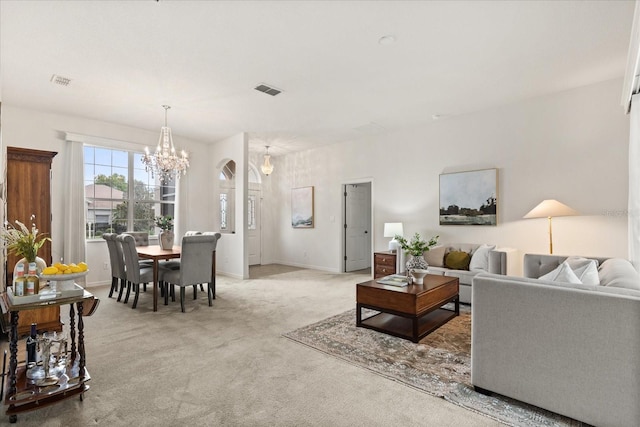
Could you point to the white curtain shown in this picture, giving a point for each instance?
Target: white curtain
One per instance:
(74, 211)
(634, 182)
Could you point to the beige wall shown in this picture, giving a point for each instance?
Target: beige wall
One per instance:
(46, 131)
(571, 146)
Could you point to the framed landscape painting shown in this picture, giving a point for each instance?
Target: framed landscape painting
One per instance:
(302, 207)
(469, 198)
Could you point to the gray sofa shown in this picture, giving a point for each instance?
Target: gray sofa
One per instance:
(499, 261)
(573, 349)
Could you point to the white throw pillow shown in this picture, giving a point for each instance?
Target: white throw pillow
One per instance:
(585, 269)
(563, 274)
(480, 258)
(435, 256)
(619, 273)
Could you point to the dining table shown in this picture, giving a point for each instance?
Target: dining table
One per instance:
(156, 254)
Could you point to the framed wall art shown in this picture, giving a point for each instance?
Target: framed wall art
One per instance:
(469, 198)
(302, 207)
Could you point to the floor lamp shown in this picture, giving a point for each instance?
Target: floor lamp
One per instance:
(548, 209)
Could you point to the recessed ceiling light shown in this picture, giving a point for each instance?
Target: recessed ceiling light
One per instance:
(387, 40)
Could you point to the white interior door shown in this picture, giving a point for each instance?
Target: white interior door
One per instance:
(253, 230)
(357, 226)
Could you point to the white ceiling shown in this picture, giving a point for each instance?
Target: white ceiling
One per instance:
(127, 58)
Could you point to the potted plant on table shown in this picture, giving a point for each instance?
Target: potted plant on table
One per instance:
(25, 243)
(416, 247)
(166, 236)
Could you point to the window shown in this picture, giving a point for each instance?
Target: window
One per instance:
(252, 212)
(227, 192)
(115, 180)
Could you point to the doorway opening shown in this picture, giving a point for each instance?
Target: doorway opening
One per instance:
(357, 220)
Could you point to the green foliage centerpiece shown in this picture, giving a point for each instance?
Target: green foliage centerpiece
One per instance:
(166, 236)
(23, 242)
(165, 222)
(416, 247)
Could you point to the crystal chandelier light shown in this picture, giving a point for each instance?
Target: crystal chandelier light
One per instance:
(164, 162)
(267, 167)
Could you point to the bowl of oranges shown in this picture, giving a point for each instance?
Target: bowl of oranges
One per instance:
(60, 272)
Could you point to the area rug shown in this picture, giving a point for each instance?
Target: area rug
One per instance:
(440, 364)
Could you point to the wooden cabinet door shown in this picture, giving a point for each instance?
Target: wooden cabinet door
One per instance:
(28, 184)
(29, 193)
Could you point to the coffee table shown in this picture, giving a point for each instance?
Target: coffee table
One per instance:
(410, 312)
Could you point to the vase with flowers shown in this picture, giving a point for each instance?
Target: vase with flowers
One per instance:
(23, 242)
(416, 247)
(166, 236)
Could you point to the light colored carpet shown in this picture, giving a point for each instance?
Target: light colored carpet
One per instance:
(440, 364)
(229, 365)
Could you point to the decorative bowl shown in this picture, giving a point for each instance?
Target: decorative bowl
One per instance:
(63, 277)
(64, 281)
(418, 275)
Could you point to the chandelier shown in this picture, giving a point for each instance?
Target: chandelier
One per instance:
(164, 162)
(267, 167)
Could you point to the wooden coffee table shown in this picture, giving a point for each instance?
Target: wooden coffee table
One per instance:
(410, 312)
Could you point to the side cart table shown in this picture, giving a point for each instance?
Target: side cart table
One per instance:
(24, 394)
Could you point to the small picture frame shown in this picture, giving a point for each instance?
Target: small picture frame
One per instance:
(302, 207)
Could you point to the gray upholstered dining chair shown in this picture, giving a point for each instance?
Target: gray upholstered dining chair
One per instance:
(141, 237)
(136, 273)
(118, 275)
(175, 264)
(197, 265)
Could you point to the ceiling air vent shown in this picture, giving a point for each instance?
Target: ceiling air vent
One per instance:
(59, 80)
(269, 90)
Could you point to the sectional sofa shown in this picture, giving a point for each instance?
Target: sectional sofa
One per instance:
(571, 348)
(482, 258)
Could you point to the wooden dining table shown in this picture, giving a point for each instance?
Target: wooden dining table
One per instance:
(156, 253)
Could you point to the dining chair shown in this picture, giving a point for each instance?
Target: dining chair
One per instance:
(118, 275)
(136, 273)
(197, 265)
(142, 239)
(175, 264)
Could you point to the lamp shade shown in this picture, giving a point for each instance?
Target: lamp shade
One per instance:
(391, 229)
(551, 208)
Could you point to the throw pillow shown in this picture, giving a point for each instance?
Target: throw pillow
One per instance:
(435, 256)
(457, 260)
(619, 273)
(575, 261)
(480, 258)
(585, 269)
(563, 274)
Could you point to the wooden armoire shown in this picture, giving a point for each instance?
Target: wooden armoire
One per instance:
(28, 192)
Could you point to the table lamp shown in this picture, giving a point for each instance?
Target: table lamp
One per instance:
(548, 209)
(391, 229)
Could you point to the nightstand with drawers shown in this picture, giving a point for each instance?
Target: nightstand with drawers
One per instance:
(384, 263)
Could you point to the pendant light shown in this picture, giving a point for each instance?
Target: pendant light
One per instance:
(267, 167)
(165, 163)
